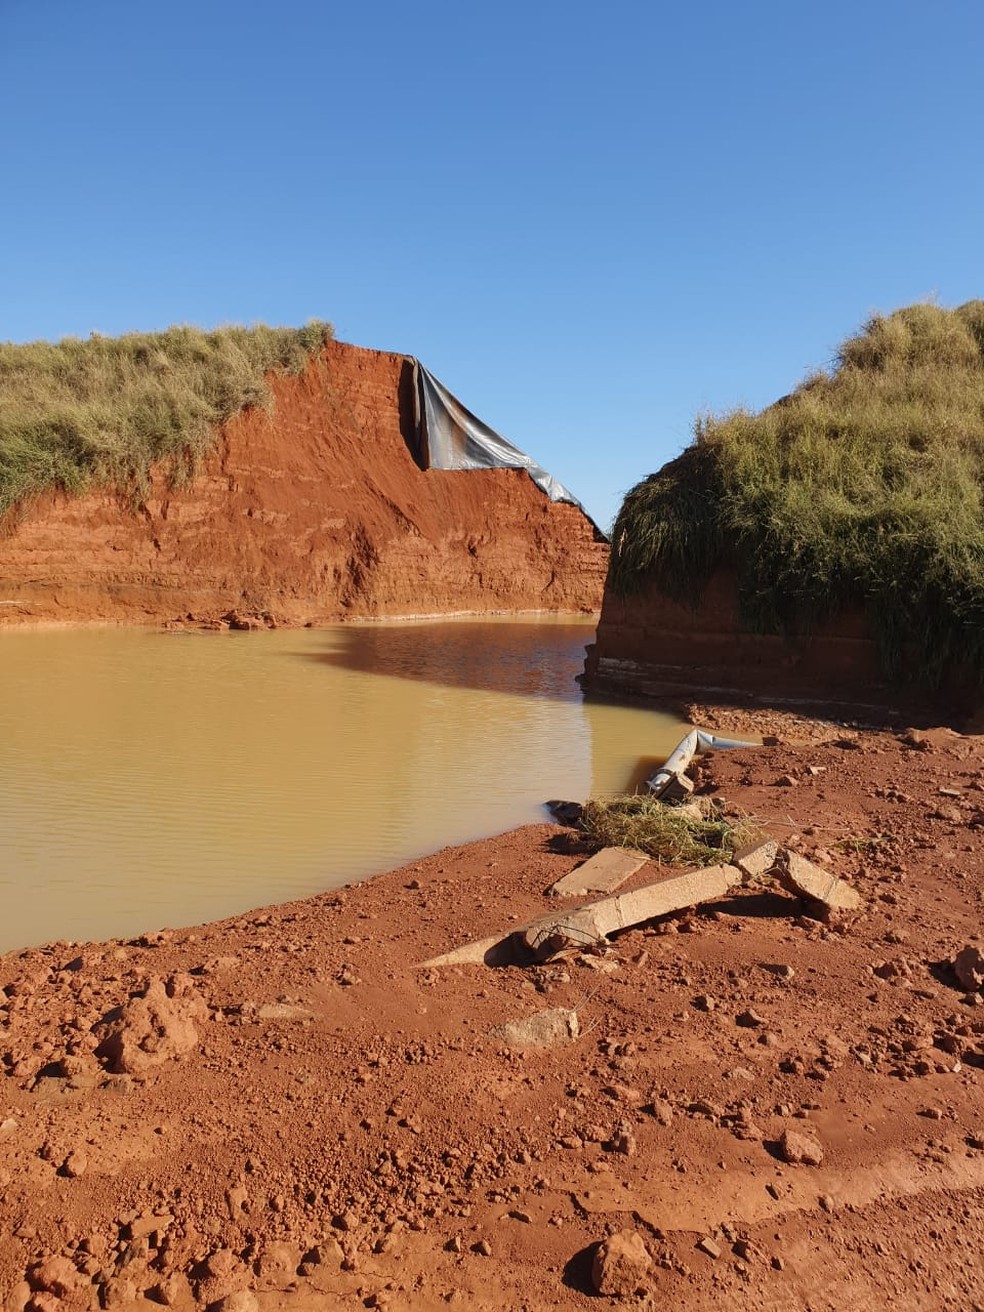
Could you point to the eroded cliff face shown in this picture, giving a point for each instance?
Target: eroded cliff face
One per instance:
(312, 513)
(651, 647)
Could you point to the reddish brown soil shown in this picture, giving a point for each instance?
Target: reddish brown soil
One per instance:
(380, 1147)
(649, 646)
(313, 513)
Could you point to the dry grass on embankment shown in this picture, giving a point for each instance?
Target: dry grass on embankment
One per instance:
(863, 487)
(78, 412)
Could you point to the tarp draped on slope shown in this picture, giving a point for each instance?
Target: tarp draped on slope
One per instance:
(450, 437)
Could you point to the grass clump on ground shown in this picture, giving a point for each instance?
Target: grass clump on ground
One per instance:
(103, 410)
(669, 834)
(863, 486)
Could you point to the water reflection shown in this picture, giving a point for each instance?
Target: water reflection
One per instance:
(522, 658)
(150, 780)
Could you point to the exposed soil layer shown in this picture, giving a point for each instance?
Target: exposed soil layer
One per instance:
(282, 1111)
(312, 513)
(649, 646)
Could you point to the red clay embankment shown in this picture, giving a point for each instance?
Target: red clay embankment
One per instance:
(312, 513)
(649, 646)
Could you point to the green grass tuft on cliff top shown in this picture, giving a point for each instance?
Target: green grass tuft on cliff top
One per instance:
(864, 486)
(76, 413)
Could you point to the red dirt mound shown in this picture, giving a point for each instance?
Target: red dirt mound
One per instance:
(312, 513)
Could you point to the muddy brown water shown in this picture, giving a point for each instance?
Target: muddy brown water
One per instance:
(150, 779)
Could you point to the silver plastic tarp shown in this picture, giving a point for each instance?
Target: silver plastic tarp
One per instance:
(450, 437)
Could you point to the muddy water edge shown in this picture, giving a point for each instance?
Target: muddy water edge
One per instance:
(151, 779)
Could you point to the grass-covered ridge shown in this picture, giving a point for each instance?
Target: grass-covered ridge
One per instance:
(104, 409)
(863, 485)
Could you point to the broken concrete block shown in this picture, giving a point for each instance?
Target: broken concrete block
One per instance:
(678, 789)
(757, 859)
(602, 873)
(493, 951)
(597, 920)
(544, 1029)
(802, 877)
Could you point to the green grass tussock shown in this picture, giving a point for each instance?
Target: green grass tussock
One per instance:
(666, 833)
(103, 410)
(863, 486)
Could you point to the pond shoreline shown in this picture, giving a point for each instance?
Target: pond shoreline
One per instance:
(315, 1122)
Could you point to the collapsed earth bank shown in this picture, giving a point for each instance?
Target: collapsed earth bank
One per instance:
(311, 513)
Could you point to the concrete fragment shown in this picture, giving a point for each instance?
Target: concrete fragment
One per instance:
(597, 920)
(757, 859)
(602, 873)
(969, 967)
(621, 1265)
(803, 878)
(678, 789)
(544, 1029)
(485, 952)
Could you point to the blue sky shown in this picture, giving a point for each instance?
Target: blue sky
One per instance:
(591, 222)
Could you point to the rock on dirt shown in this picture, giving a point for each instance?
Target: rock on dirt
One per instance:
(544, 1029)
(800, 1149)
(621, 1265)
(154, 1027)
(969, 968)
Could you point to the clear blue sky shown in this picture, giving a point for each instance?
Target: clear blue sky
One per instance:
(590, 221)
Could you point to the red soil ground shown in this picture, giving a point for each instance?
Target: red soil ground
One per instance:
(314, 513)
(314, 1122)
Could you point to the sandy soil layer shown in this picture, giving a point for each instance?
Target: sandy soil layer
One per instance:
(296, 1116)
(312, 513)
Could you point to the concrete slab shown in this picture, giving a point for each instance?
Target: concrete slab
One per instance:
(757, 859)
(602, 873)
(802, 877)
(597, 920)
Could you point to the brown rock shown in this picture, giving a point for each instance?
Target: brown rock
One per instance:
(621, 1265)
(800, 1149)
(56, 1275)
(156, 1026)
(544, 1029)
(241, 1300)
(969, 968)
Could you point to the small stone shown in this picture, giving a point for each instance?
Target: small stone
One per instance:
(621, 1265)
(241, 1300)
(800, 1149)
(483, 1248)
(661, 1111)
(708, 1246)
(749, 1020)
(75, 1164)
